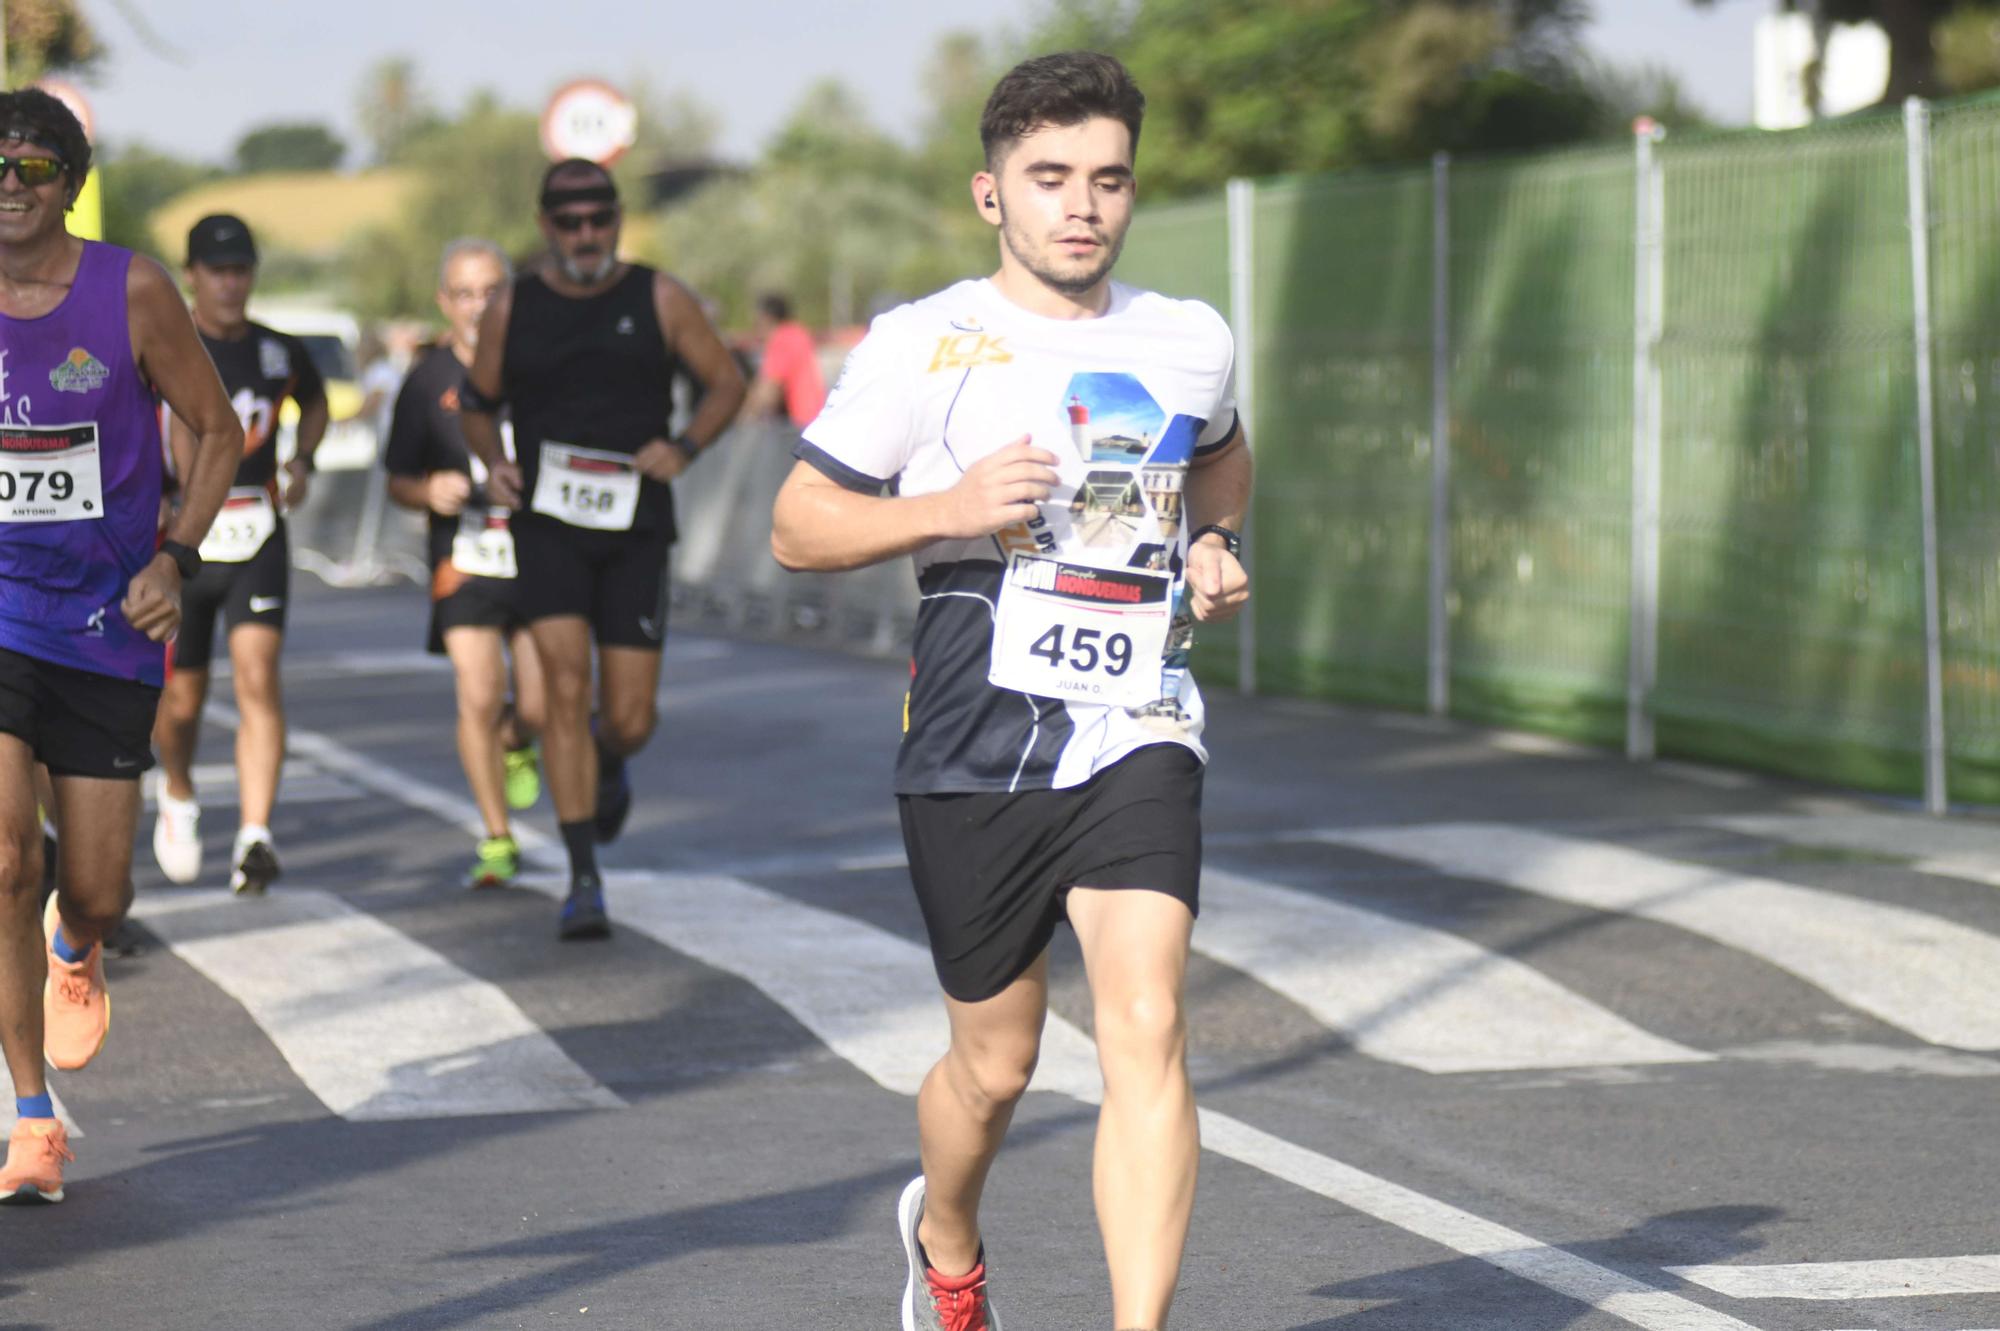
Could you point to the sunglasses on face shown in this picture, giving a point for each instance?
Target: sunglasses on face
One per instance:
(570, 223)
(34, 172)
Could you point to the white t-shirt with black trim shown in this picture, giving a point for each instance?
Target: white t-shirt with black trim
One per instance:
(1096, 602)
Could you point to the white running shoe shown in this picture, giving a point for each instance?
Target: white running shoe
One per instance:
(177, 838)
(256, 861)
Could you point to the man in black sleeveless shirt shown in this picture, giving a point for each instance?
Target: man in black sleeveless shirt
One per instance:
(582, 350)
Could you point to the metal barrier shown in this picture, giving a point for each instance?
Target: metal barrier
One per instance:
(1685, 445)
(724, 575)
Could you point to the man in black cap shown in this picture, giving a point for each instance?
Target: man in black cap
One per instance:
(246, 569)
(582, 352)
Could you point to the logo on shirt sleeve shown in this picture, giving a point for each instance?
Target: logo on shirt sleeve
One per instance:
(80, 372)
(963, 351)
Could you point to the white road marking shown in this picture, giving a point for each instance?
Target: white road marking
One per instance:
(375, 1024)
(871, 997)
(1938, 980)
(215, 785)
(1898, 1278)
(1409, 994)
(1952, 847)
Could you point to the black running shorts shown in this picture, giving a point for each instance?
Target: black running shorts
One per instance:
(615, 579)
(252, 592)
(484, 603)
(993, 871)
(77, 723)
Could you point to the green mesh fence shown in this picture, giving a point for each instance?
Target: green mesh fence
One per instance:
(1342, 433)
(1790, 621)
(1965, 291)
(1541, 437)
(1791, 598)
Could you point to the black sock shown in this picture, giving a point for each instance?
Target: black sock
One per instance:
(580, 840)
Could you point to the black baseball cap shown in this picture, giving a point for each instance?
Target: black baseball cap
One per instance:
(221, 238)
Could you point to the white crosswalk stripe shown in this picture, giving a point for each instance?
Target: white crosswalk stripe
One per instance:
(1936, 979)
(1409, 994)
(375, 1024)
(1954, 847)
(1895, 1278)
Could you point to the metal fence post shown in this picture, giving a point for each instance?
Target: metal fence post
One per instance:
(1440, 589)
(1241, 198)
(1648, 321)
(1917, 140)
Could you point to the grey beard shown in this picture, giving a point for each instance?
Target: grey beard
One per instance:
(585, 277)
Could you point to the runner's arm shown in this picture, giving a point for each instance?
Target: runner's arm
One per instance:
(171, 357)
(1217, 492)
(479, 403)
(309, 391)
(818, 524)
(693, 339)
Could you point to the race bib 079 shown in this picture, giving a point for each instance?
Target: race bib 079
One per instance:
(50, 473)
(1074, 631)
(586, 487)
(247, 520)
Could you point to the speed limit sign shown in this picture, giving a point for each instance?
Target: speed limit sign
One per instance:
(589, 119)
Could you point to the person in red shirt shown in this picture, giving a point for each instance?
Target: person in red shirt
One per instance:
(788, 377)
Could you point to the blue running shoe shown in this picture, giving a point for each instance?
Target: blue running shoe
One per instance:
(583, 915)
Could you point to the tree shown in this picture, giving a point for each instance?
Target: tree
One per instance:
(296, 146)
(1262, 87)
(1910, 24)
(393, 109)
(45, 36)
(138, 180)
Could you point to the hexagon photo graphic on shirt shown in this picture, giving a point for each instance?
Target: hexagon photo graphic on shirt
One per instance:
(1108, 508)
(1161, 484)
(1112, 418)
(1176, 446)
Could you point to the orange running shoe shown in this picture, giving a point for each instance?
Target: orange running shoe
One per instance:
(76, 1009)
(35, 1155)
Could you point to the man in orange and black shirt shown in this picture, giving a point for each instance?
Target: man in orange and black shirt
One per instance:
(246, 561)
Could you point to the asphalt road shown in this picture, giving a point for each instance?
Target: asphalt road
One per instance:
(1489, 1033)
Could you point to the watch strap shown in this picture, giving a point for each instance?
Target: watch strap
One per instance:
(186, 558)
(1230, 539)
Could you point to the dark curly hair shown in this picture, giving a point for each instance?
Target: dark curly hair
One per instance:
(1066, 88)
(33, 116)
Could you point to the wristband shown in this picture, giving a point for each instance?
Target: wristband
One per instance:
(685, 449)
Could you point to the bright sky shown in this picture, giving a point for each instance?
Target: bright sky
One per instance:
(243, 64)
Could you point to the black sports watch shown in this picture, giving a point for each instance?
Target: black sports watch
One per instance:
(186, 558)
(685, 447)
(1230, 540)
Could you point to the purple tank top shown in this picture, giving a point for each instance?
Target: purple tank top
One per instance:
(80, 478)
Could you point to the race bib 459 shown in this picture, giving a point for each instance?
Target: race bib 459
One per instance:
(1067, 630)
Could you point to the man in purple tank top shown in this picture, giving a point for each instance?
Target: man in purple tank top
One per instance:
(91, 337)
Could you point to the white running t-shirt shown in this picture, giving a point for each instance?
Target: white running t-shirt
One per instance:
(1054, 648)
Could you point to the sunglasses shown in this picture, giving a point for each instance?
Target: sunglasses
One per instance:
(569, 223)
(34, 172)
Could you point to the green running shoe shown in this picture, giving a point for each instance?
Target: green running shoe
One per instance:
(499, 860)
(524, 777)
